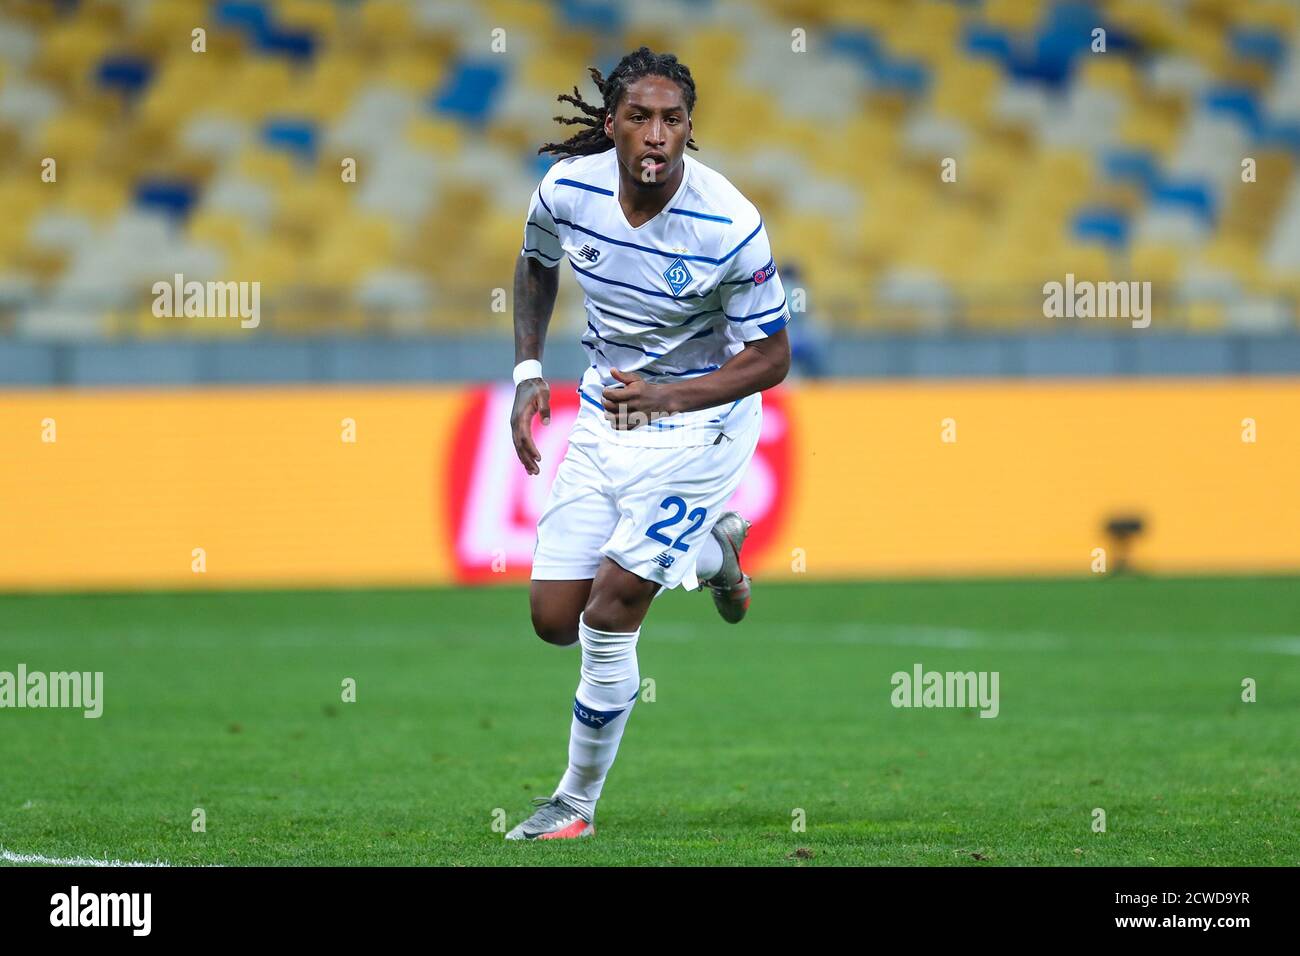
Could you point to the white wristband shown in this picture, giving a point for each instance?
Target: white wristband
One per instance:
(528, 368)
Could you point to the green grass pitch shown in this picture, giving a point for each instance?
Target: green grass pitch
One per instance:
(1123, 695)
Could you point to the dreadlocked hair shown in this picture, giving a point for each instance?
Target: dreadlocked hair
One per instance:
(631, 68)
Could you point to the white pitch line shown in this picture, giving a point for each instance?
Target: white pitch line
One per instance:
(8, 856)
(1285, 644)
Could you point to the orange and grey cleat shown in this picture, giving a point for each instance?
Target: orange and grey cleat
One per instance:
(730, 586)
(554, 820)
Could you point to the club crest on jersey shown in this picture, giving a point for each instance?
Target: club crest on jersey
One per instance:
(677, 276)
(762, 275)
(588, 253)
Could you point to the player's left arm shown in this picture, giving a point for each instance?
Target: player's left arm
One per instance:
(759, 365)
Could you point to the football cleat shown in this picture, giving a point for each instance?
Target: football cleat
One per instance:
(730, 586)
(553, 820)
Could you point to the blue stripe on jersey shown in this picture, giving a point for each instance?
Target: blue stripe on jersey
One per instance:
(554, 259)
(699, 215)
(605, 310)
(742, 243)
(657, 252)
(587, 398)
(696, 316)
(776, 325)
(701, 334)
(622, 345)
(599, 405)
(637, 288)
(591, 189)
(626, 318)
(743, 281)
(756, 315)
(689, 371)
(538, 225)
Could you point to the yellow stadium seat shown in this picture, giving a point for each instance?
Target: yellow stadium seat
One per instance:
(256, 88)
(1110, 73)
(95, 196)
(71, 135)
(1204, 315)
(1235, 255)
(438, 135)
(349, 248)
(386, 23)
(320, 19)
(417, 71)
(1157, 263)
(306, 206)
(273, 167)
(1280, 15)
(520, 14)
(227, 231)
(1012, 14)
(70, 50)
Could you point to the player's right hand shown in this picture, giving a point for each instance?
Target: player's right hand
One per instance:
(532, 397)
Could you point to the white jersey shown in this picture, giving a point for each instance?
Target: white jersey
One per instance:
(673, 298)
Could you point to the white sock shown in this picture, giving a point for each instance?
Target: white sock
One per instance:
(606, 692)
(709, 562)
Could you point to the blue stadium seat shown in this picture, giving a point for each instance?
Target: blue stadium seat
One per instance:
(1101, 224)
(1238, 101)
(1131, 165)
(172, 196)
(470, 91)
(298, 136)
(596, 15)
(125, 73)
(1258, 45)
(981, 39)
(1195, 196)
(250, 16)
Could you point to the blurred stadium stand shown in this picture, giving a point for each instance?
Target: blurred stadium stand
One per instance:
(225, 165)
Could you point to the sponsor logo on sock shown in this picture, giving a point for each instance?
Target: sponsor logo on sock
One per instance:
(922, 688)
(592, 717)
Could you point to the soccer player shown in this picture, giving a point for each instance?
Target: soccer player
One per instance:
(685, 327)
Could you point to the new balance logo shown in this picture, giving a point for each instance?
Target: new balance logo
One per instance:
(664, 559)
(588, 253)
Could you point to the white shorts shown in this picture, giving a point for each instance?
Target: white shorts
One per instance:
(647, 509)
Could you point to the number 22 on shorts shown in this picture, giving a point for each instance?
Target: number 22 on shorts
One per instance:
(678, 508)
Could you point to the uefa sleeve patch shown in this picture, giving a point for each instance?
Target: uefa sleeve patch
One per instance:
(762, 275)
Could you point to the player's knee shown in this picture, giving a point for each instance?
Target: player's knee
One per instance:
(553, 629)
(613, 612)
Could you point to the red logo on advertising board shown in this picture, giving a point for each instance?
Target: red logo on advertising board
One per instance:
(493, 505)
